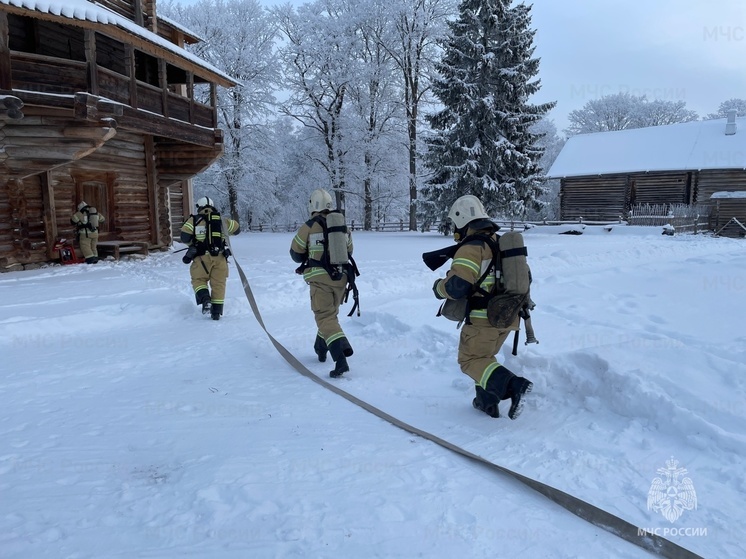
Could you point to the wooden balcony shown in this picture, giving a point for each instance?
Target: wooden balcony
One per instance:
(145, 108)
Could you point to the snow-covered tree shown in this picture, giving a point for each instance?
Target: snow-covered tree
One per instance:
(739, 105)
(418, 27)
(374, 95)
(239, 39)
(319, 63)
(483, 142)
(621, 111)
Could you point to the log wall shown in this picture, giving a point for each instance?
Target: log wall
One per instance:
(733, 180)
(124, 8)
(659, 188)
(593, 198)
(22, 233)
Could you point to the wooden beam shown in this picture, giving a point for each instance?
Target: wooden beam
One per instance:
(163, 82)
(90, 60)
(139, 20)
(5, 74)
(214, 104)
(152, 179)
(190, 95)
(130, 68)
(50, 222)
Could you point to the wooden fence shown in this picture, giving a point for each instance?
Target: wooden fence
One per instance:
(683, 218)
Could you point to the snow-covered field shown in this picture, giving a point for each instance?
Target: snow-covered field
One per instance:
(132, 426)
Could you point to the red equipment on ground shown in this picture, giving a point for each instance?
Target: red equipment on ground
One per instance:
(67, 252)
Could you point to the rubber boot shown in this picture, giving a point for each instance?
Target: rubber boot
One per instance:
(319, 346)
(486, 402)
(216, 311)
(518, 387)
(203, 298)
(340, 350)
(340, 367)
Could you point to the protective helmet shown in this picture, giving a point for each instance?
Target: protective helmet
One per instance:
(465, 210)
(204, 201)
(320, 200)
(82, 205)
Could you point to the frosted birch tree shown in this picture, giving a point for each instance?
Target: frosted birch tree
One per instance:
(621, 111)
(417, 28)
(238, 38)
(319, 62)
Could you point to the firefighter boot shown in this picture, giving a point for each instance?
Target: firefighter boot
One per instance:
(486, 402)
(340, 367)
(340, 350)
(319, 346)
(518, 387)
(203, 298)
(216, 311)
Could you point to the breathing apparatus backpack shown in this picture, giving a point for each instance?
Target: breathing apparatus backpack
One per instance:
(210, 228)
(335, 259)
(511, 297)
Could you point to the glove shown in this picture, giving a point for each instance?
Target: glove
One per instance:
(435, 290)
(190, 254)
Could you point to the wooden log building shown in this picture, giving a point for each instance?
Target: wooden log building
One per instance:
(604, 174)
(97, 103)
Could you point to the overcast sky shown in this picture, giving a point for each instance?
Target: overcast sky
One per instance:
(690, 50)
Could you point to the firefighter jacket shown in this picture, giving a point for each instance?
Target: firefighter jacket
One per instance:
(87, 221)
(469, 264)
(207, 231)
(307, 247)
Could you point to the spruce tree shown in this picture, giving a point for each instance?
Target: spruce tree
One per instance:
(482, 142)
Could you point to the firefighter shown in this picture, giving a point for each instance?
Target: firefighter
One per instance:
(205, 234)
(86, 221)
(327, 285)
(480, 342)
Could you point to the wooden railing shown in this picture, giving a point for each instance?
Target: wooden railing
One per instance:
(39, 73)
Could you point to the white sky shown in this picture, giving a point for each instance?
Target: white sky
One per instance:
(688, 50)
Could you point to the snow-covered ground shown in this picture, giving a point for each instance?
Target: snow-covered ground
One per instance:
(132, 426)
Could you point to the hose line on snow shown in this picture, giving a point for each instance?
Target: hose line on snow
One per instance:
(596, 516)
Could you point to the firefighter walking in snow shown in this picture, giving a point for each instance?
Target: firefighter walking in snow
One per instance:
(323, 247)
(473, 277)
(206, 235)
(86, 221)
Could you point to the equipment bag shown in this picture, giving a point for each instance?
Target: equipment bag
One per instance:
(454, 309)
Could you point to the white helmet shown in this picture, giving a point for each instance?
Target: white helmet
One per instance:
(465, 210)
(320, 200)
(204, 201)
(82, 205)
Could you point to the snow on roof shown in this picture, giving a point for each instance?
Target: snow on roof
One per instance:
(687, 146)
(83, 10)
(176, 25)
(727, 194)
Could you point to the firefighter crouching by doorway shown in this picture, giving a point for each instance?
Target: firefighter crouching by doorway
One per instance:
(480, 342)
(86, 221)
(205, 234)
(327, 292)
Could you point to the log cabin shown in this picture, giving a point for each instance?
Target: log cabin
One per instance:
(97, 103)
(604, 174)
